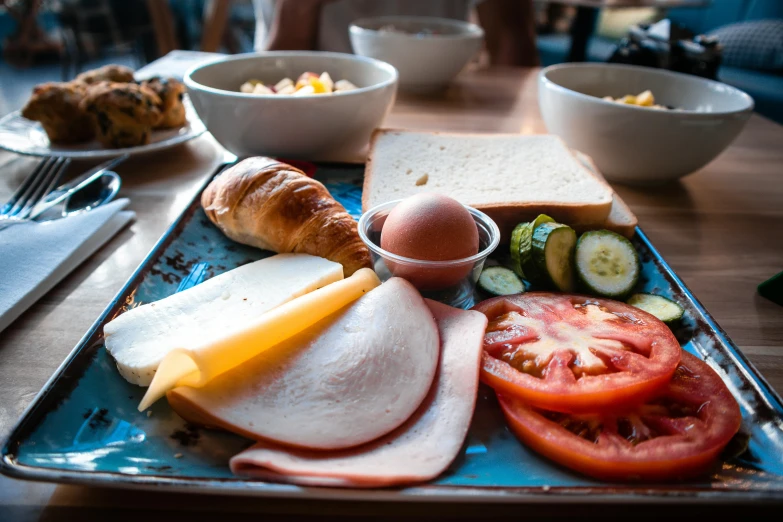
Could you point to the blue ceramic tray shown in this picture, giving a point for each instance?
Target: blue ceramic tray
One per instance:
(84, 428)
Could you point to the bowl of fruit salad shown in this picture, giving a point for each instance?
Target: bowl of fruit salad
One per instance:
(641, 125)
(293, 104)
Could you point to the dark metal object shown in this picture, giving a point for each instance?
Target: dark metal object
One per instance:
(682, 52)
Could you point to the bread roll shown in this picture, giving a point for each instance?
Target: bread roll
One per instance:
(274, 206)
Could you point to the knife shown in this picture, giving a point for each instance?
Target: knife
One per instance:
(65, 191)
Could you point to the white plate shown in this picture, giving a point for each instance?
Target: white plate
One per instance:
(23, 136)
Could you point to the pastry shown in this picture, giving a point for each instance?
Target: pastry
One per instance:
(107, 73)
(170, 92)
(56, 106)
(125, 113)
(274, 206)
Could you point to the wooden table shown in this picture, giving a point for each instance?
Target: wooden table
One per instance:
(720, 229)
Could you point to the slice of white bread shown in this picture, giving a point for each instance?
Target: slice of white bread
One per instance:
(621, 219)
(510, 177)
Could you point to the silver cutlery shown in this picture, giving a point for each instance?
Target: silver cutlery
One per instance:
(35, 197)
(35, 187)
(64, 192)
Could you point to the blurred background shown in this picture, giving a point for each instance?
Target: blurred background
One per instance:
(53, 40)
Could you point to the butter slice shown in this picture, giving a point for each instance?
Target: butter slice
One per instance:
(140, 338)
(196, 365)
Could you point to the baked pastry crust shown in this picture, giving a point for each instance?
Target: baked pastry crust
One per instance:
(125, 113)
(170, 92)
(274, 206)
(57, 107)
(107, 73)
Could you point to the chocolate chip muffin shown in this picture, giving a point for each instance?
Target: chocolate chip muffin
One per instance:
(125, 113)
(107, 73)
(57, 107)
(170, 92)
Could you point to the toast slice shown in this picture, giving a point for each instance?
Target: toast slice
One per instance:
(510, 177)
(621, 219)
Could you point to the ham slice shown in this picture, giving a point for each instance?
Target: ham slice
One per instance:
(419, 450)
(350, 379)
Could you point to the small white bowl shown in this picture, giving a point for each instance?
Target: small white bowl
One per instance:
(426, 62)
(424, 275)
(640, 145)
(318, 126)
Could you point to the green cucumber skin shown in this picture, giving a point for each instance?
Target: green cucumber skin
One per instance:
(582, 277)
(516, 262)
(527, 264)
(539, 241)
(640, 299)
(505, 282)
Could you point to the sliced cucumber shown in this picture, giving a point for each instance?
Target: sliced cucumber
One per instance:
(497, 280)
(521, 247)
(553, 255)
(664, 309)
(516, 236)
(606, 263)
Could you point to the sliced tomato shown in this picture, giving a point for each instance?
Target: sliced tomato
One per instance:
(575, 353)
(678, 434)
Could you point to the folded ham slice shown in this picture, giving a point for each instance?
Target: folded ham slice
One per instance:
(352, 378)
(419, 450)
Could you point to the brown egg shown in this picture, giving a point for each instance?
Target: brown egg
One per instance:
(430, 227)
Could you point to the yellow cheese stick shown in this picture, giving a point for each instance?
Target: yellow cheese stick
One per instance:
(198, 365)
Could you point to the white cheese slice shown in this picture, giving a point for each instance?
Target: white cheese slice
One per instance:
(140, 338)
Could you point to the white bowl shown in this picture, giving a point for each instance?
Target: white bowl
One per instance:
(426, 62)
(315, 126)
(640, 145)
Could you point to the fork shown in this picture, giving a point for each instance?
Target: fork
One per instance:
(43, 179)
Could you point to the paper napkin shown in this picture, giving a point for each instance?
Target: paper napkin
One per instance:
(36, 256)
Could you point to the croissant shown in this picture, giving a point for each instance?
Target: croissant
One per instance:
(274, 206)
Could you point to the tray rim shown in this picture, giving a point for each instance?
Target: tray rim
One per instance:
(612, 494)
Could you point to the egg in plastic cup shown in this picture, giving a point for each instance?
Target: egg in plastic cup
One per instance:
(427, 276)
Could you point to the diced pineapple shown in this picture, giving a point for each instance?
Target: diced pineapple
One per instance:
(288, 89)
(318, 86)
(629, 99)
(284, 83)
(260, 88)
(307, 89)
(327, 81)
(645, 99)
(304, 79)
(344, 85)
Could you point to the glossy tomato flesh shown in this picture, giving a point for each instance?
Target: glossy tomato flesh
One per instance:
(573, 353)
(675, 435)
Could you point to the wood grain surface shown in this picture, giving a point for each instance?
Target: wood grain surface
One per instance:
(721, 229)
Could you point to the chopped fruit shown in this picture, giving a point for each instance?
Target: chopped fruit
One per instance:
(260, 88)
(344, 85)
(307, 83)
(318, 86)
(307, 89)
(326, 80)
(283, 84)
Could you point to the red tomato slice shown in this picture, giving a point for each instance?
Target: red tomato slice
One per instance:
(677, 434)
(575, 353)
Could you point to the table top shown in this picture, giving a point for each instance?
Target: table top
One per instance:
(718, 228)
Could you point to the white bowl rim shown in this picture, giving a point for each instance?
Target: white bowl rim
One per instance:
(387, 67)
(471, 30)
(750, 104)
(494, 239)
